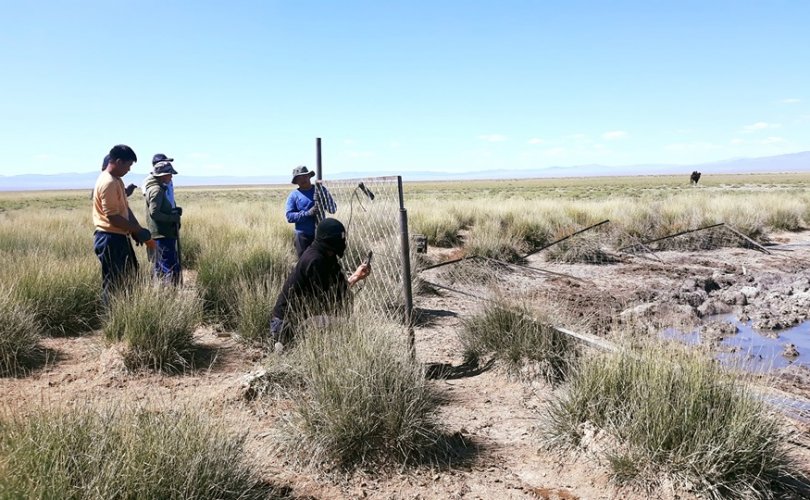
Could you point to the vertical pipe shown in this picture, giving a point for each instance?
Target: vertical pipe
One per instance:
(406, 264)
(318, 165)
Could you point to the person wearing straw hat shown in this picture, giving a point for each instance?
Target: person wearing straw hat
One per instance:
(306, 206)
(164, 222)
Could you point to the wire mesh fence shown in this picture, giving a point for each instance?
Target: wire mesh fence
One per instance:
(369, 208)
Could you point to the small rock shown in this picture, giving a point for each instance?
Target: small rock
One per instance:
(790, 351)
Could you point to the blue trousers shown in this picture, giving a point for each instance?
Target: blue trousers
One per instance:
(167, 261)
(118, 262)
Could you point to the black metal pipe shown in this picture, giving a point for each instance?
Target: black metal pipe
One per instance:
(318, 164)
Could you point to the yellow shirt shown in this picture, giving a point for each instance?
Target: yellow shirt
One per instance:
(109, 198)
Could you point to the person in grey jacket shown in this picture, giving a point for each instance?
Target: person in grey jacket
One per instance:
(164, 222)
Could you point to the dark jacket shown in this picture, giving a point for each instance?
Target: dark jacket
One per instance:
(317, 284)
(161, 218)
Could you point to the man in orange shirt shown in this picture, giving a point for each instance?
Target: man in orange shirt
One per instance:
(114, 222)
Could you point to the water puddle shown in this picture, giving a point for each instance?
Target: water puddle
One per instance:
(756, 353)
(750, 350)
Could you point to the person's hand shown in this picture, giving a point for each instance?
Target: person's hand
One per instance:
(276, 325)
(129, 189)
(141, 236)
(312, 212)
(178, 211)
(363, 270)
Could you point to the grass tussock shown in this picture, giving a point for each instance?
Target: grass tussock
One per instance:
(64, 296)
(366, 402)
(580, 250)
(92, 454)
(254, 308)
(156, 324)
(659, 412)
(20, 332)
(223, 271)
(528, 346)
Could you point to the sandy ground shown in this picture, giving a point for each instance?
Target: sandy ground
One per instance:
(497, 415)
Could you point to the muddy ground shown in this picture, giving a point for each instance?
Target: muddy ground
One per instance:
(497, 415)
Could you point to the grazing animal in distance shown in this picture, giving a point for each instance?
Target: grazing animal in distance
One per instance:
(695, 177)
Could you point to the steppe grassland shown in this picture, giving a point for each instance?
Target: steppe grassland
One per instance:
(237, 244)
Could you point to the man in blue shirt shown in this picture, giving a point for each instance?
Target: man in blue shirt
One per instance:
(306, 207)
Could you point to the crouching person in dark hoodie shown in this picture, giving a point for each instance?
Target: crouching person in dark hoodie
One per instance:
(164, 223)
(317, 286)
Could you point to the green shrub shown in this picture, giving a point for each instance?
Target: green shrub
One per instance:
(522, 342)
(19, 334)
(676, 414)
(90, 454)
(365, 401)
(156, 324)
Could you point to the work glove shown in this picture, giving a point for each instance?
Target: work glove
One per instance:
(142, 236)
(129, 189)
(178, 211)
(312, 212)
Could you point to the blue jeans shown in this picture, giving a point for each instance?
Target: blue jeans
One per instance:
(118, 262)
(167, 261)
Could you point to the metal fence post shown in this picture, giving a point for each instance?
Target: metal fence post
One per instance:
(406, 263)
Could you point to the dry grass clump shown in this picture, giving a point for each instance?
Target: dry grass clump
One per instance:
(64, 295)
(156, 324)
(366, 401)
(93, 454)
(525, 344)
(254, 307)
(20, 332)
(223, 269)
(582, 249)
(660, 413)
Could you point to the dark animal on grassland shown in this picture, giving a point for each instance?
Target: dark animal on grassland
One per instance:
(695, 177)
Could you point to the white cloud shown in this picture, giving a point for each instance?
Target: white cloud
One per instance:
(772, 140)
(360, 154)
(199, 156)
(348, 142)
(754, 127)
(43, 157)
(395, 144)
(736, 141)
(492, 137)
(614, 135)
(535, 140)
(555, 152)
(691, 146)
(577, 137)
(791, 100)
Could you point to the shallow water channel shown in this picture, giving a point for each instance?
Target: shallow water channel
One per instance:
(751, 350)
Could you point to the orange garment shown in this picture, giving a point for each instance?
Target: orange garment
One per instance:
(109, 198)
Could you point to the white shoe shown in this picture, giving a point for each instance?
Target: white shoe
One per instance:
(278, 347)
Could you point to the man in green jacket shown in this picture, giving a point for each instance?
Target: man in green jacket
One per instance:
(163, 222)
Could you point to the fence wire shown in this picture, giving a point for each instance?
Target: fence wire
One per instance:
(369, 208)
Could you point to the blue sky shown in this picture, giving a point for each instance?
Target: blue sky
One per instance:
(244, 87)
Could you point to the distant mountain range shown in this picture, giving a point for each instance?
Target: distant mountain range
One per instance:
(794, 162)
